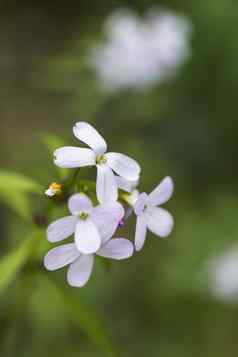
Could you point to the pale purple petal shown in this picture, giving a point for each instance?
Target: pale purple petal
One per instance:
(123, 165)
(106, 186)
(79, 271)
(140, 204)
(90, 136)
(159, 221)
(107, 217)
(126, 185)
(61, 229)
(61, 256)
(87, 237)
(118, 248)
(71, 157)
(162, 192)
(141, 230)
(79, 202)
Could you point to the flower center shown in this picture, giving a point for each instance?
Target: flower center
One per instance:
(101, 159)
(55, 187)
(83, 216)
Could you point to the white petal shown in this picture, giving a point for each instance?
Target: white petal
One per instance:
(70, 157)
(61, 229)
(140, 203)
(49, 192)
(118, 248)
(106, 184)
(90, 136)
(162, 192)
(123, 165)
(60, 256)
(141, 230)
(87, 238)
(107, 217)
(159, 221)
(79, 271)
(126, 185)
(79, 202)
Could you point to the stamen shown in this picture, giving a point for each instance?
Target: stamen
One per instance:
(101, 159)
(83, 216)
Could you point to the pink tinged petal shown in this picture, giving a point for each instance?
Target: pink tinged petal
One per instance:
(90, 136)
(87, 237)
(126, 185)
(162, 192)
(141, 230)
(107, 217)
(61, 256)
(118, 248)
(61, 229)
(79, 271)
(106, 186)
(159, 221)
(140, 204)
(79, 202)
(71, 157)
(124, 166)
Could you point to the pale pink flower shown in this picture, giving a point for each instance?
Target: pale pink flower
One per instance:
(106, 163)
(91, 226)
(150, 216)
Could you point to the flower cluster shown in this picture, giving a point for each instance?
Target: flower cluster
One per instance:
(138, 53)
(117, 196)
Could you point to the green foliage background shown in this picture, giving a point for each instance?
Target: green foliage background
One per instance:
(155, 303)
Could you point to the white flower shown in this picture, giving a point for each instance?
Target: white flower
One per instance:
(106, 186)
(81, 265)
(149, 216)
(138, 53)
(91, 226)
(222, 272)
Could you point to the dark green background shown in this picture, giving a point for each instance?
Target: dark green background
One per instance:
(156, 303)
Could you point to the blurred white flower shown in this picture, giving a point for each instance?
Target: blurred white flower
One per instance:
(149, 216)
(138, 53)
(222, 273)
(81, 265)
(106, 185)
(91, 226)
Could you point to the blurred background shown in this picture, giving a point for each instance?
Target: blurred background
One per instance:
(159, 80)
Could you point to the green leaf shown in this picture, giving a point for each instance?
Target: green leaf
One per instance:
(12, 181)
(11, 264)
(13, 192)
(18, 202)
(84, 317)
(52, 142)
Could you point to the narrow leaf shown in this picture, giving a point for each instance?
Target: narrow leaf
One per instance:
(13, 192)
(12, 181)
(12, 263)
